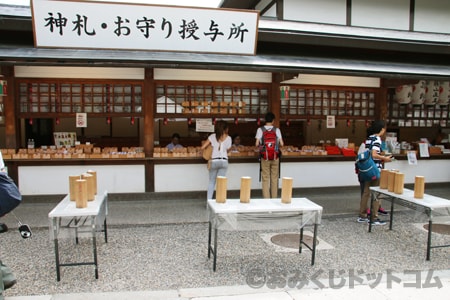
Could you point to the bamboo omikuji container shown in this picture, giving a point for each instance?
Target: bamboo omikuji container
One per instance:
(94, 174)
(246, 183)
(419, 187)
(391, 180)
(90, 186)
(72, 188)
(384, 179)
(221, 189)
(286, 190)
(81, 193)
(399, 183)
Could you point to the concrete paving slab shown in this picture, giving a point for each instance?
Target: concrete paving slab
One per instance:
(258, 296)
(42, 297)
(356, 293)
(144, 295)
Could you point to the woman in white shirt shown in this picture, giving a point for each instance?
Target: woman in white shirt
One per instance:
(221, 143)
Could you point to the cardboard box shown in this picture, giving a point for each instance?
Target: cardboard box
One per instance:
(434, 150)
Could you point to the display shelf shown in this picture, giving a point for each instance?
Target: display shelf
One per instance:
(96, 97)
(316, 102)
(211, 99)
(412, 115)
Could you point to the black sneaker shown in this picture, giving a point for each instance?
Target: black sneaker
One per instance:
(383, 212)
(9, 284)
(377, 222)
(3, 228)
(362, 220)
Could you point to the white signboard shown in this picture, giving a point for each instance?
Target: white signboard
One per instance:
(106, 25)
(412, 158)
(331, 123)
(81, 119)
(204, 125)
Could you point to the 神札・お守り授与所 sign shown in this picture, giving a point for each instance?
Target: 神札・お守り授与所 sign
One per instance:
(107, 25)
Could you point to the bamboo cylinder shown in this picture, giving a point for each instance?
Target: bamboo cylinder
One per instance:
(72, 191)
(391, 180)
(286, 190)
(94, 173)
(81, 193)
(399, 183)
(221, 189)
(419, 187)
(90, 186)
(246, 183)
(384, 179)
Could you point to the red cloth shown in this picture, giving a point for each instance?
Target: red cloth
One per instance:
(348, 152)
(333, 150)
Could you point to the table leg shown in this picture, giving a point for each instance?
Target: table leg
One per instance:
(215, 249)
(209, 240)
(55, 240)
(106, 231)
(391, 217)
(301, 241)
(372, 196)
(430, 225)
(313, 258)
(76, 236)
(94, 247)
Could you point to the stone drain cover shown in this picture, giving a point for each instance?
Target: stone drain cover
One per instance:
(291, 240)
(439, 228)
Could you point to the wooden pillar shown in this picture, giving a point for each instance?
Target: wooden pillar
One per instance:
(381, 104)
(149, 127)
(275, 99)
(9, 109)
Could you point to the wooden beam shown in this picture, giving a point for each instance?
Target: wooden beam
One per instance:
(12, 140)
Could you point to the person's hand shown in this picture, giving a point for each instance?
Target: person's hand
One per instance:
(388, 158)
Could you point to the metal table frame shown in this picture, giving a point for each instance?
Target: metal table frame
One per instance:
(271, 208)
(427, 205)
(93, 217)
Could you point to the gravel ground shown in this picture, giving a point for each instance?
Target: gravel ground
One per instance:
(173, 256)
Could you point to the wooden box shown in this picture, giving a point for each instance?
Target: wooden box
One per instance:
(434, 150)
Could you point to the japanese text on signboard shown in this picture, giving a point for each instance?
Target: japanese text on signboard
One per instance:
(72, 24)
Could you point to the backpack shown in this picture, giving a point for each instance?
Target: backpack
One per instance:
(365, 166)
(269, 149)
(10, 196)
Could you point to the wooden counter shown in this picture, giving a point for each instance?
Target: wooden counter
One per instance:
(178, 174)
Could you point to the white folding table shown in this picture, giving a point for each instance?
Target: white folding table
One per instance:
(430, 205)
(272, 213)
(91, 219)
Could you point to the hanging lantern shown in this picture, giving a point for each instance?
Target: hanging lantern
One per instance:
(108, 120)
(57, 121)
(348, 123)
(367, 123)
(236, 121)
(132, 121)
(214, 120)
(258, 122)
(308, 122)
(189, 121)
(30, 121)
(165, 121)
(288, 122)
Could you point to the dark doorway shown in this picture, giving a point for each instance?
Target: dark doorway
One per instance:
(41, 130)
